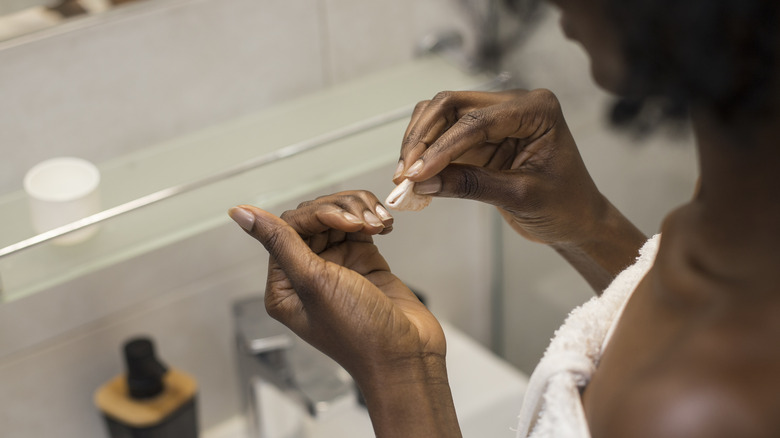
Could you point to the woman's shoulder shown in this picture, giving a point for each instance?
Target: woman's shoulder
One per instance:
(715, 383)
(696, 352)
(698, 405)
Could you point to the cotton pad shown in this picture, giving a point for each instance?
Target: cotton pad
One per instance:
(403, 198)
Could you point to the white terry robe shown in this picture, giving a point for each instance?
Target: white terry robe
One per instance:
(552, 407)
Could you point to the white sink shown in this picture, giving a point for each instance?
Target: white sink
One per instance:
(486, 390)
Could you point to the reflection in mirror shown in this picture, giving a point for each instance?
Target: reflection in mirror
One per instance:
(20, 17)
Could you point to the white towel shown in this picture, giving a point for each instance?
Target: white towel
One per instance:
(552, 406)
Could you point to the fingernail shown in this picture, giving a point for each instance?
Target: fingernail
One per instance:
(415, 169)
(372, 220)
(428, 187)
(399, 170)
(243, 217)
(383, 214)
(352, 218)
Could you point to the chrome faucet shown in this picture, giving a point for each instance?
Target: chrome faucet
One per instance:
(495, 33)
(285, 383)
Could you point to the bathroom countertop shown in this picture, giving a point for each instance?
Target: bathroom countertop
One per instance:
(487, 392)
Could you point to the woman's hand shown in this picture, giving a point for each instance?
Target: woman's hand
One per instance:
(511, 149)
(514, 150)
(329, 284)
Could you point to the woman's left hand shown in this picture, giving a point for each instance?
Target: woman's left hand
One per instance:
(328, 282)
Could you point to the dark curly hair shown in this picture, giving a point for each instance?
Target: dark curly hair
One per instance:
(719, 54)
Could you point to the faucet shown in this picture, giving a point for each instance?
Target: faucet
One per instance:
(286, 385)
(492, 41)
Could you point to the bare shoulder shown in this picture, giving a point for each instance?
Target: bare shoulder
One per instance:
(679, 406)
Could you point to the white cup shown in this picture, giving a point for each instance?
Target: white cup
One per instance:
(63, 190)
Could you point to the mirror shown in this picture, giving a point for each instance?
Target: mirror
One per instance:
(22, 17)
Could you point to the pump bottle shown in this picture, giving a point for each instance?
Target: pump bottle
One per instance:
(149, 400)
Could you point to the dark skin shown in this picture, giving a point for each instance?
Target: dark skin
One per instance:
(700, 334)
(329, 284)
(695, 353)
(513, 150)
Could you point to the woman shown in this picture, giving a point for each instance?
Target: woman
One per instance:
(691, 350)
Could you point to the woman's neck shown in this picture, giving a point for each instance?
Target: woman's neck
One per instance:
(739, 166)
(735, 216)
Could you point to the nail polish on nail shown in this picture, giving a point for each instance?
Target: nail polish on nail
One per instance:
(382, 213)
(399, 170)
(428, 187)
(352, 218)
(371, 219)
(243, 217)
(415, 169)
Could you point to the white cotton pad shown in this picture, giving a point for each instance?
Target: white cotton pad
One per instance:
(403, 198)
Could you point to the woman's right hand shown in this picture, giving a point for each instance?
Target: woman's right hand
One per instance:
(511, 149)
(330, 285)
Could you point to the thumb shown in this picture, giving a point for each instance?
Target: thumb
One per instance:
(283, 243)
(491, 186)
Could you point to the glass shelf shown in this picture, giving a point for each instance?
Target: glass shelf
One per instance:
(335, 134)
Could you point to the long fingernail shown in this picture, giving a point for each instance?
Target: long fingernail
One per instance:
(243, 217)
(399, 170)
(428, 187)
(382, 213)
(372, 220)
(415, 169)
(352, 218)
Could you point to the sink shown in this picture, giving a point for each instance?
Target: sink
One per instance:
(487, 392)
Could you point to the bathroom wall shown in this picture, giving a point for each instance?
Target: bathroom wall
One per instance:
(148, 75)
(103, 86)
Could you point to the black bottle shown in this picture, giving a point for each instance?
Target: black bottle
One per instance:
(150, 400)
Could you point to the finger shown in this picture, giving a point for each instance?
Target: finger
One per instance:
(418, 109)
(417, 143)
(472, 130)
(284, 245)
(319, 242)
(349, 211)
(526, 119)
(503, 155)
(312, 218)
(281, 300)
(494, 156)
(359, 237)
(335, 236)
(323, 241)
(385, 216)
(499, 188)
(430, 120)
(365, 205)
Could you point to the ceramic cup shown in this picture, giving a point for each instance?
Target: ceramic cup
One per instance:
(63, 190)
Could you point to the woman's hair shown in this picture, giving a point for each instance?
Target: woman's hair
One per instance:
(719, 54)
